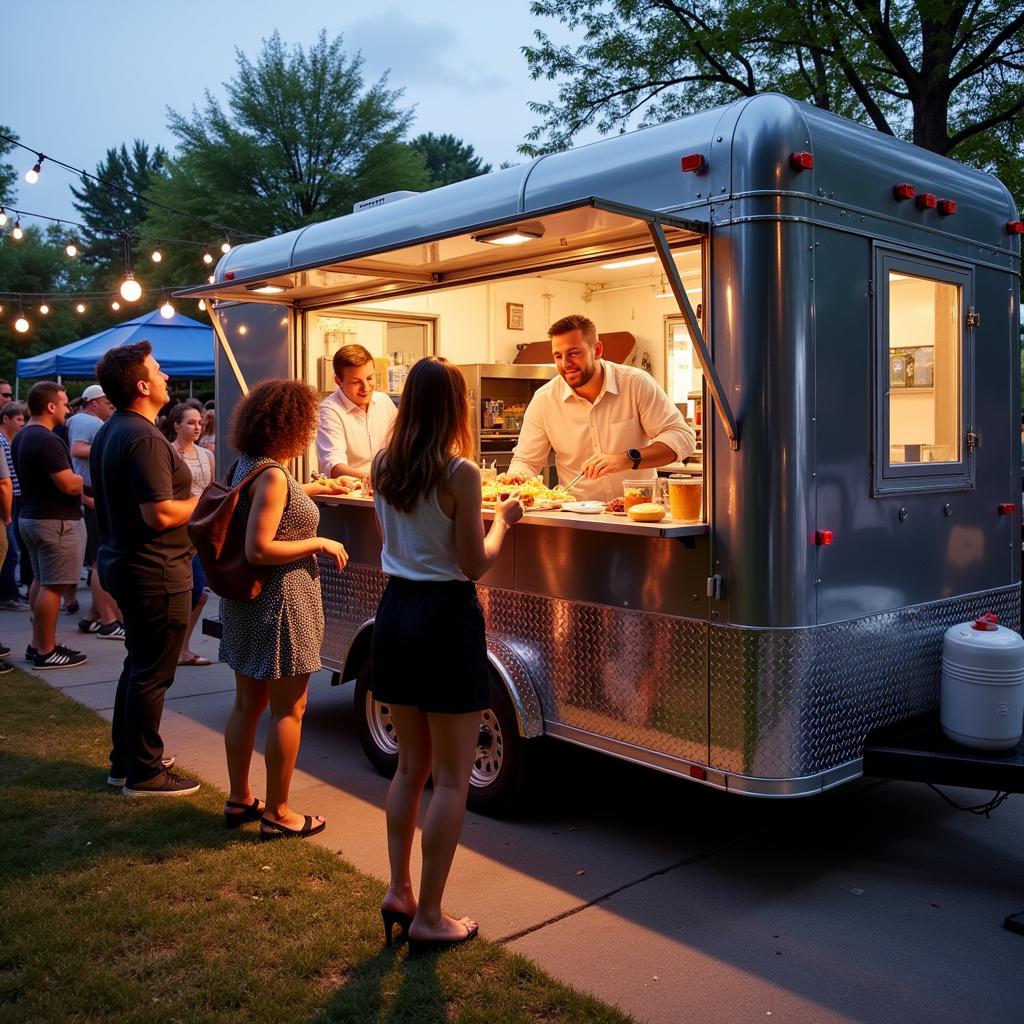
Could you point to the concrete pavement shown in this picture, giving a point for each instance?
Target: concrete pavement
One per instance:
(676, 903)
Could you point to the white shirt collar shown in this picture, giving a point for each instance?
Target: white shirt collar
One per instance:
(348, 405)
(610, 384)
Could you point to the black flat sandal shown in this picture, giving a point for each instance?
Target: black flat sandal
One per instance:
(279, 831)
(249, 812)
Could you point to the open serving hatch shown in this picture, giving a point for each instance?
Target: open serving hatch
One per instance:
(327, 263)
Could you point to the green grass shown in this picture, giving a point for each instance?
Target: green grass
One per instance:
(151, 911)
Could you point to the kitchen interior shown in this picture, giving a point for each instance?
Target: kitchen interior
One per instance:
(497, 333)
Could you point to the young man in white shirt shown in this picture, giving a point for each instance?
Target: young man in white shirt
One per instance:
(607, 421)
(355, 420)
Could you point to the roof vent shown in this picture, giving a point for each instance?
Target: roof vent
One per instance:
(387, 197)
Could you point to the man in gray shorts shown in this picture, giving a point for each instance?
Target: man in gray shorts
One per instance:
(51, 521)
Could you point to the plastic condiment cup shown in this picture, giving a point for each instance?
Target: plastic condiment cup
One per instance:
(636, 492)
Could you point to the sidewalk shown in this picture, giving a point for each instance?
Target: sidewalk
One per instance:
(676, 903)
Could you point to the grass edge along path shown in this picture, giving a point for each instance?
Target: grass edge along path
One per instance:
(151, 911)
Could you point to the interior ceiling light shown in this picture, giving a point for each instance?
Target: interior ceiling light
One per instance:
(516, 235)
(265, 288)
(622, 264)
(32, 176)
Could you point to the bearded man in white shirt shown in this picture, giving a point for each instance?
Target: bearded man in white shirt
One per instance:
(355, 420)
(607, 421)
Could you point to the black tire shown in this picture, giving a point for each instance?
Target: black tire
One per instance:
(498, 778)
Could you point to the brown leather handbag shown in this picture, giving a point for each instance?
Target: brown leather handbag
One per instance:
(218, 535)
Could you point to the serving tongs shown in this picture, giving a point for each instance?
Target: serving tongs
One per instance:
(575, 480)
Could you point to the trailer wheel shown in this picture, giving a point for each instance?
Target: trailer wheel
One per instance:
(499, 770)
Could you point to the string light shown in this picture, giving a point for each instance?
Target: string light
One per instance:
(80, 307)
(167, 310)
(44, 309)
(17, 233)
(207, 258)
(131, 290)
(211, 279)
(225, 247)
(71, 249)
(115, 305)
(202, 304)
(156, 256)
(3, 216)
(32, 176)
(21, 324)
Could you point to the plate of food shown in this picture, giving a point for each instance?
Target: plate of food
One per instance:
(617, 507)
(529, 490)
(586, 508)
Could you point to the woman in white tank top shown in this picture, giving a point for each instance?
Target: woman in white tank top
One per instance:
(429, 650)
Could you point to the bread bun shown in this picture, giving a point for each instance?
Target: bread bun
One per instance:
(646, 512)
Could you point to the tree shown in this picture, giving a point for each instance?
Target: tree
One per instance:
(110, 206)
(298, 142)
(945, 74)
(448, 159)
(8, 175)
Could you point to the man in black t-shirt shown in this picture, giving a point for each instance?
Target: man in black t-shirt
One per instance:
(143, 503)
(50, 521)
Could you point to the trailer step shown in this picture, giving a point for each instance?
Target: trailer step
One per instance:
(917, 750)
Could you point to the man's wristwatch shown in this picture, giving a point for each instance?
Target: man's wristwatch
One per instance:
(635, 456)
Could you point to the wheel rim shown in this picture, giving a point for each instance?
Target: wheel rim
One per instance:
(382, 728)
(490, 751)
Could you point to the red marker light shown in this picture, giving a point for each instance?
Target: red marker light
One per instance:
(1007, 508)
(802, 161)
(947, 207)
(694, 162)
(823, 537)
(229, 275)
(697, 772)
(1015, 227)
(904, 190)
(926, 201)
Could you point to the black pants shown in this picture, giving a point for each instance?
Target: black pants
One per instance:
(155, 626)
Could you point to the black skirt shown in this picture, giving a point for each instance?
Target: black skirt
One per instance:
(429, 650)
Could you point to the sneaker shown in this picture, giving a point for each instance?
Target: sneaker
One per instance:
(89, 625)
(120, 781)
(5, 667)
(30, 654)
(165, 784)
(15, 604)
(4, 650)
(115, 631)
(59, 657)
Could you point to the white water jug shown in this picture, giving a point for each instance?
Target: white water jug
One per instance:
(982, 700)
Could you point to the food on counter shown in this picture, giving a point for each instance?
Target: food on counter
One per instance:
(529, 490)
(339, 485)
(616, 505)
(636, 491)
(646, 512)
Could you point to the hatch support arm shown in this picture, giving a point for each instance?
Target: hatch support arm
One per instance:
(703, 354)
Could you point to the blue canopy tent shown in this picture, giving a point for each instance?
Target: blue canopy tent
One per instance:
(182, 347)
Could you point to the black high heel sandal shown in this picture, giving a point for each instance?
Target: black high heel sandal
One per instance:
(390, 919)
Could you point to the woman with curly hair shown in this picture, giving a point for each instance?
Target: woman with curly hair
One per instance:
(429, 650)
(273, 642)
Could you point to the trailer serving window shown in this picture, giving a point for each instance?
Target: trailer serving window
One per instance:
(923, 362)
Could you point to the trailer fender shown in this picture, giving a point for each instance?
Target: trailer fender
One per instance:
(509, 665)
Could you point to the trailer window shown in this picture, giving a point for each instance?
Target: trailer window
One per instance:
(922, 364)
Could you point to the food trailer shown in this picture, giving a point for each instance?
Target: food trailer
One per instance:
(840, 311)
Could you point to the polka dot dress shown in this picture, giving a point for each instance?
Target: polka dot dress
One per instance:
(279, 633)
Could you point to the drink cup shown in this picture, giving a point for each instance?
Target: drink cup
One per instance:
(684, 497)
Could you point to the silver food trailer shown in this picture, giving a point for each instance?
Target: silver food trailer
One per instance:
(843, 308)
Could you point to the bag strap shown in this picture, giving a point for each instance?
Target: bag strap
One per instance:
(249, 476)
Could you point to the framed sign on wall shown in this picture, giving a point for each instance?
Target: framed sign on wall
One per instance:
(514, 316)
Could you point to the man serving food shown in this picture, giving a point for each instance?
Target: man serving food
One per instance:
(606, 421)
(355, 420)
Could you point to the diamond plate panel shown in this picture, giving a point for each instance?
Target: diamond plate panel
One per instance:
(788, 704)
(350, 598)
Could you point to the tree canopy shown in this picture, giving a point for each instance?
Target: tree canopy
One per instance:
(8, 175)
(947, 75)
(448, 159)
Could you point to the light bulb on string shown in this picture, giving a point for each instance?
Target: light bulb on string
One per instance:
(44, 309)
(71, 249)
(207, 258)
(21, 324)
(131, 290)
(225, 247)
(115, 305)
(156, 256)
(202, 304)
(167, 310)
(80, 307)
(211, 279)
(3, 216)
(32, 176)
(17, 232)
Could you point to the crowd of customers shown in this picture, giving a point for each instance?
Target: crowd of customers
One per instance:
(118, 496)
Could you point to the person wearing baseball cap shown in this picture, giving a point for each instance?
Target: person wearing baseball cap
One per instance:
(105, 617)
